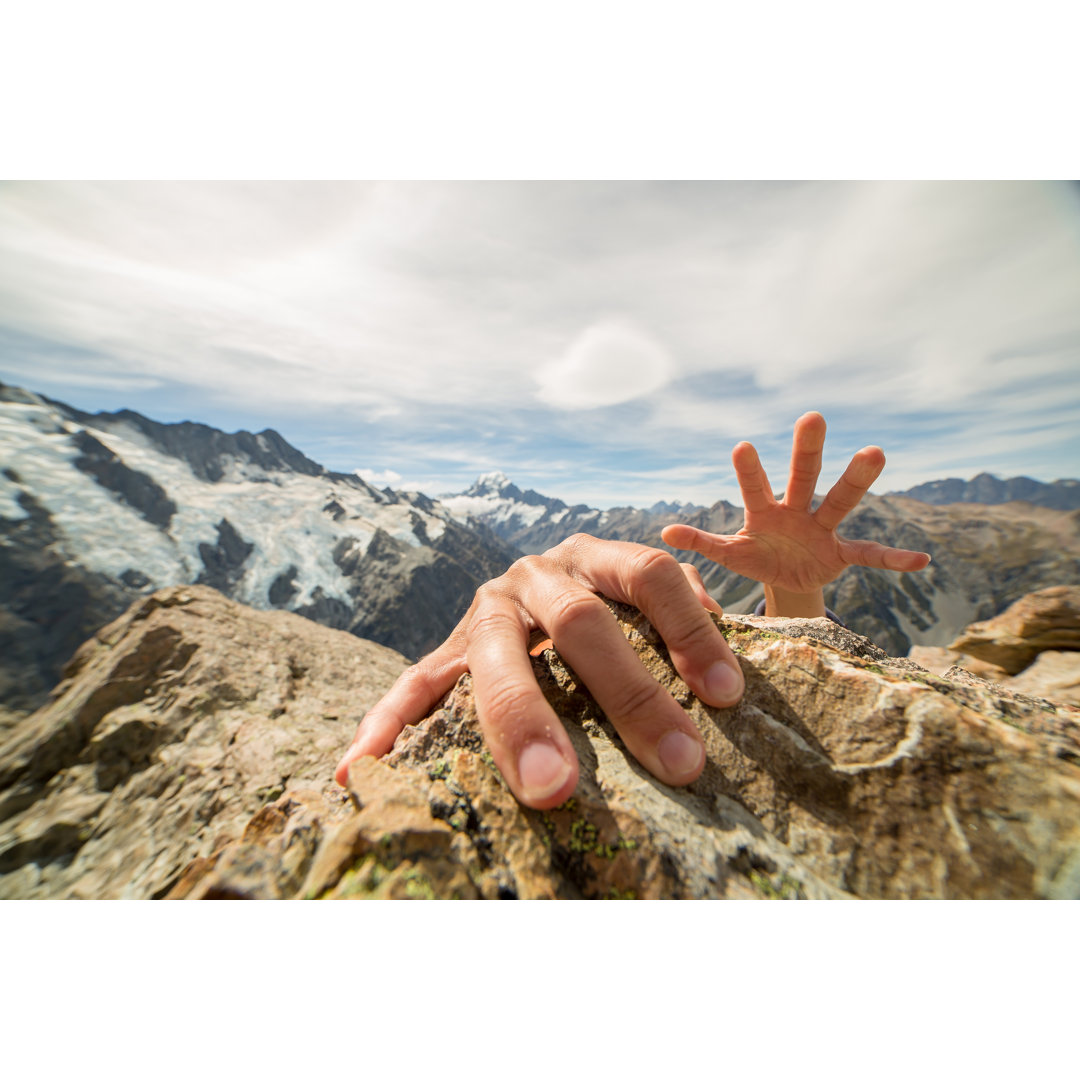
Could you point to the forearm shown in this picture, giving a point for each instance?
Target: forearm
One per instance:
(793, 605)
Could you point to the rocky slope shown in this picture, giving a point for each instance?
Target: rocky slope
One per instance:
(96, 511)
(1033, 646)
(984, 557)
(174, 725)
(170, 763)
(992, 490)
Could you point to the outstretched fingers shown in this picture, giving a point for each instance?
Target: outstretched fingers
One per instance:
(880, 557)
(806, 447)
(864, 468)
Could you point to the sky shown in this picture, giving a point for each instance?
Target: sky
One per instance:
(602, 342)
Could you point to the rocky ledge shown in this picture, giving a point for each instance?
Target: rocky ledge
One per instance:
(188, 755)
(173, 725)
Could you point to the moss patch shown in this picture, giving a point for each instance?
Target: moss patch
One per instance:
(776, 888)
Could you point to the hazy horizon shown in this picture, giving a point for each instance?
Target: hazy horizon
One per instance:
(604, 343)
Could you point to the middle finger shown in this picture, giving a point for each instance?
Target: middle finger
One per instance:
(655, 728)
(654, 582)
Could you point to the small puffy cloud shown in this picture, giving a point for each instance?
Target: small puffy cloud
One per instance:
(386, 478)
(609, 362)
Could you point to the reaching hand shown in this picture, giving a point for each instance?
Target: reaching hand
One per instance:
(795, 551)
(556, 593)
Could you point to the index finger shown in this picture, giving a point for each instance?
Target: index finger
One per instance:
(415, 692)
(865, 467)
(653, 582)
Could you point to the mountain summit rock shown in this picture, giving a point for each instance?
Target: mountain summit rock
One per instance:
(189, 753)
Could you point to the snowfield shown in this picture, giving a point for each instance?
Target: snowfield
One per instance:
(291, 519)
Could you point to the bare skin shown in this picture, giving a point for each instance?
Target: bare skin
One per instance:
(556, 594)
(795, 552)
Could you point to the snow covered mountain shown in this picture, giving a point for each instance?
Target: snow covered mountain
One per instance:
(98, 509)
(984, 556)
(535, 522)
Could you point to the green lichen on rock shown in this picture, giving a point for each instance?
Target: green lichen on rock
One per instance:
(438, 770)
(418, 885)
(360, 881)
(776, 888)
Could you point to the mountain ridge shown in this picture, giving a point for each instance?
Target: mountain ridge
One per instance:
(99, 509)
(985, 556)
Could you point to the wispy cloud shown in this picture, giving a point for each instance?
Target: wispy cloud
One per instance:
(593, 340)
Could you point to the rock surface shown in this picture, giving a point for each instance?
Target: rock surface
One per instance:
(1045, 620)
(189, 754)
(1053, 675)
(841, 774)
(174, 725)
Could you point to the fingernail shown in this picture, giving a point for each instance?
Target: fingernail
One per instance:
(723, 684)
(680, 754)
(543, 770)
(340, 770)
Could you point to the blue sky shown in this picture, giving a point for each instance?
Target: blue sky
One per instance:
(607, 343)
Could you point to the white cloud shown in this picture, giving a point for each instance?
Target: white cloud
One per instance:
(904, 312)
(386, 478)
(608, 363)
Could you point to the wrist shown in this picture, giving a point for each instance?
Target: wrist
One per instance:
(793, 605)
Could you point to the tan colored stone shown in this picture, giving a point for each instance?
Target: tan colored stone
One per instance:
(175, 724)
(1045, 620)
(838, 775)
(1053, 675)
(938, 660)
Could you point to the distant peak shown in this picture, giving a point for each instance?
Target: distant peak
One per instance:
(493, 483)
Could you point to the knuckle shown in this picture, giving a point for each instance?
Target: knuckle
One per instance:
(572, 609)
(638, 701)
(419, 675)
(490, 593)
(650, 565)
(578, 539)
(493, 620)
(506, 700)
(572, 546)
(695, 635)
(527, 564)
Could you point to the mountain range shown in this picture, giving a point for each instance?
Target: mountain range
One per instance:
(986, 554)
(984, 488)
(99, 509)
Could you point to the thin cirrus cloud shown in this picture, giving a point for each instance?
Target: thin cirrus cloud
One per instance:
(597, 341)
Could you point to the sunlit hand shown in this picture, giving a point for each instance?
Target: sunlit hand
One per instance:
(792, 549)
(556, 594)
